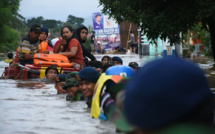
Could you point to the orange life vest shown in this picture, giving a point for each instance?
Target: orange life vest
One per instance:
(44, 46)
(51, 59)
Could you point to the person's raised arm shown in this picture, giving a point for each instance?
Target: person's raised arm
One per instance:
(59, 46)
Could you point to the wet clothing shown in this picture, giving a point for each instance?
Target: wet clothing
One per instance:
(107, 103)
(78, 96)
(78, 58)
(89, 102)
(86, 53)
(132, 40)
(44, 79)
(27, 46)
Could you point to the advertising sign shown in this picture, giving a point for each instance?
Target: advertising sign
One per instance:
(107, 31)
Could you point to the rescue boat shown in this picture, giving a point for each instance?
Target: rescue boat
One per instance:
(37, 70)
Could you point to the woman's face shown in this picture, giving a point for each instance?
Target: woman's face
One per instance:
(104, 61)
(66, 32)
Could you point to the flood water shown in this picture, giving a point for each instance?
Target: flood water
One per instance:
(33, 107)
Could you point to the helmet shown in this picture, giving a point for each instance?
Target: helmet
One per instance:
(120, 70)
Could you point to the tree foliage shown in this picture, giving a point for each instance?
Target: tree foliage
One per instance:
(37, 20)
(75, 21)
(9, 23)
(56, 25)
(164, 18)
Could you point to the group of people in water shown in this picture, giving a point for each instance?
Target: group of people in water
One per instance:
(167, 95)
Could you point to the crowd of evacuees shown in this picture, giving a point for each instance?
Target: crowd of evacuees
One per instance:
(169, 95)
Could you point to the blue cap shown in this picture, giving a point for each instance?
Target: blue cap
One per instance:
(163, 91)
(116, 58)
(89, 74)
(44, 29)
(60, 78)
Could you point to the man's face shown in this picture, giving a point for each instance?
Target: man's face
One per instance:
(117, 63)
(59, 87)
(72, 90)
(43, 36)
(87, 88)
(34, 35)
(83, 34)
(51, 74)
(98, 18)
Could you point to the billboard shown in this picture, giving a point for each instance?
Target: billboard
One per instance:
(107, 31)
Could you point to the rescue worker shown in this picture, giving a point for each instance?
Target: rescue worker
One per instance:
(103, 102)
(28, 46)
(60, 82)
(117, 60)
(134, 65)
(72, 87)
(88, 77)
(157, 101)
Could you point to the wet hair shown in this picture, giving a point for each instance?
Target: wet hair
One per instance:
(10, 55)
(108, 57)
(51, 67)
(68, 40)
(69, 27)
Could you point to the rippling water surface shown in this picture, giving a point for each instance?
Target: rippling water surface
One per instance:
(33, 107)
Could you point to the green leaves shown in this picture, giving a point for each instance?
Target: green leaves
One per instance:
(165, 18)
(9, 21)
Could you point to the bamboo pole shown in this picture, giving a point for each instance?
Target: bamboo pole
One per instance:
(128, 36)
